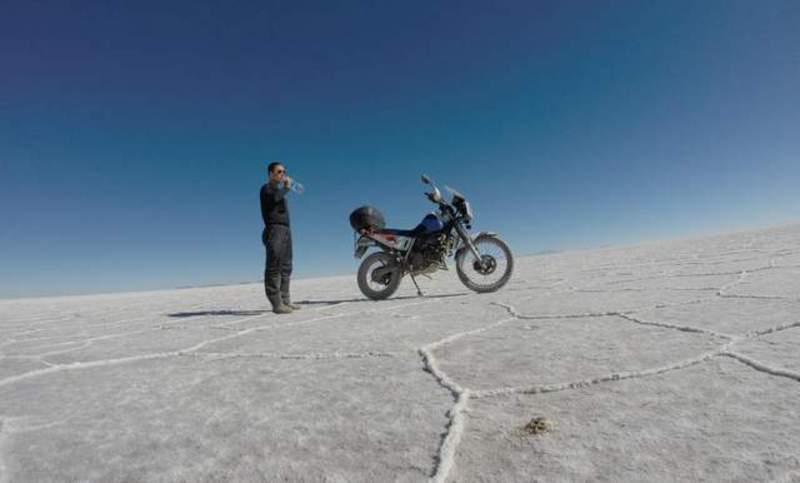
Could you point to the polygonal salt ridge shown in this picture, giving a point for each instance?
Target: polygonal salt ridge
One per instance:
(56, 328)
(700, 281)
(614, 427)
(132, 345)
(725, 349)
(779, 283)
(464, 395)
(13, 366)
(576, 303)
(122, 343)
(24, 424)
(760, 366)
(69, 341)
(217, 356)
(446, 456)
(580, 346)
(722, 267)
(791, 260)
(36, 347)
(393, 331)
(776, 349)
(80, 365)
(732, 317)
(353, 411)
(81, 323)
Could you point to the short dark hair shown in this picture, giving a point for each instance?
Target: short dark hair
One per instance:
(273, 165)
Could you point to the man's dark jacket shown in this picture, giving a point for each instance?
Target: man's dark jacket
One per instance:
(274, 209)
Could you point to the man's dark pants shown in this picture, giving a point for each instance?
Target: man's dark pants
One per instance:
(277, 240)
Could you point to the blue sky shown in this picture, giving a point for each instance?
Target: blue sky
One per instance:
(134, 136)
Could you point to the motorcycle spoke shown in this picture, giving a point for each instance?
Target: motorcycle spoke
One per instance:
(491, 249)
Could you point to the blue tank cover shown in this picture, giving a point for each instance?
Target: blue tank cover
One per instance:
(431, 223)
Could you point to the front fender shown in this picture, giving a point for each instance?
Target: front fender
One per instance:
(462, 248)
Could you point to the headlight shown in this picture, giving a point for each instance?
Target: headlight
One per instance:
(468, 210)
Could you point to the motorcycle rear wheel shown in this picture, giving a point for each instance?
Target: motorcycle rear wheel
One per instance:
(495, 254)
(383, 289)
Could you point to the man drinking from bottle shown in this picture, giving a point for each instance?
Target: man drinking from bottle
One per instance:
(277, 239)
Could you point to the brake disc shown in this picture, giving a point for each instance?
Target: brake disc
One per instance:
(489, 265)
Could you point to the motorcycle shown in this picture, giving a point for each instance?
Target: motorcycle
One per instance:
(484, 262)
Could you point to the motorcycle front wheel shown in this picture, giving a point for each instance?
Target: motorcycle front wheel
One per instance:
(378, 288)
(493, 273)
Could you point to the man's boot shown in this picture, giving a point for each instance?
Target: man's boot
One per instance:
(282, 309)
(292, 306)
(279, 307)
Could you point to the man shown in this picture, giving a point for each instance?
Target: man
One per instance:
(277, 239)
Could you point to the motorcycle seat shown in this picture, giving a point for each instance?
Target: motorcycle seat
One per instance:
(392, 231)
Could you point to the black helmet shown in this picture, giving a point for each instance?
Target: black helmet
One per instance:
(367, 217)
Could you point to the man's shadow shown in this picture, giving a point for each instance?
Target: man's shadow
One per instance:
(246, 313)
(240, 313)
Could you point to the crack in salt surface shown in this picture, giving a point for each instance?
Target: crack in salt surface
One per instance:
(91, 341)
(723, 351)
(742, 275)
(455, 430)
(189, 351)
(124, 360)
(165, 325)
(297, 356)
(617, 376)
(611, 313)
(516, 315)
(770, 266)
(760, 366)
(638, 290)
(456, 424)
(83, 365)
(771, 330)
(754, 297)
(682, 328)
(251, 330)
(4, 478)
(445, 458)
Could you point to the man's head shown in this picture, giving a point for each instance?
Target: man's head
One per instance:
(276, 171)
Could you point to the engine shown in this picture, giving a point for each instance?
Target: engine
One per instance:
(428, 254)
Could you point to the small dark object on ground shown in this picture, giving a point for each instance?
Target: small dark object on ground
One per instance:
(539, 425)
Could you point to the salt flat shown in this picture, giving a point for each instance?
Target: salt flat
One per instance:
(668, 361)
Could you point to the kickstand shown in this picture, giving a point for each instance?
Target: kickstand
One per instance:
(419, 292)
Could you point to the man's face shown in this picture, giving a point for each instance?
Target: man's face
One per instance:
(277, 173)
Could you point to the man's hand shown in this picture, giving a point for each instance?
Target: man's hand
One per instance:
(287, 181)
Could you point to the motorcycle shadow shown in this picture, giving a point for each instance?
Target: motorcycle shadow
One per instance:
(364, 299)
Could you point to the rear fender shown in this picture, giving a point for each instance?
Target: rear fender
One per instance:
(362, 245)
(367, 241)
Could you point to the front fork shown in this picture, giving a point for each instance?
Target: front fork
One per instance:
(467, 240)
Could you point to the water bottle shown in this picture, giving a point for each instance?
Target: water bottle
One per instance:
(297, 187)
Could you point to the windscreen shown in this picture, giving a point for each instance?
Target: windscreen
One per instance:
(455, 194)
